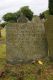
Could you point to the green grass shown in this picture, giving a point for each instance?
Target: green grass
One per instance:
(3, 33)
(2, 57)
(2, 51)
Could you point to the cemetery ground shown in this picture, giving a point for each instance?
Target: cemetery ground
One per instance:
(39, 70)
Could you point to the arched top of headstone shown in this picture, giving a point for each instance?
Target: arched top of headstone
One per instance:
(22, 19)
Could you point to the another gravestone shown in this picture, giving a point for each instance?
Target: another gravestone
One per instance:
(22, 19)
(49, 34)
(25, 42)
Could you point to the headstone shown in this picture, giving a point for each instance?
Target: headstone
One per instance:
(22, 19)
(49, 34)
(25, 42)
(0, 31)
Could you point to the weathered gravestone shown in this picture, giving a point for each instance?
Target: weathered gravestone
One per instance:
(25, 42)
(49, 34)
(22, 19)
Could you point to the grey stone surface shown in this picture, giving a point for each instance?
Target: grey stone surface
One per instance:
(25, 42)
